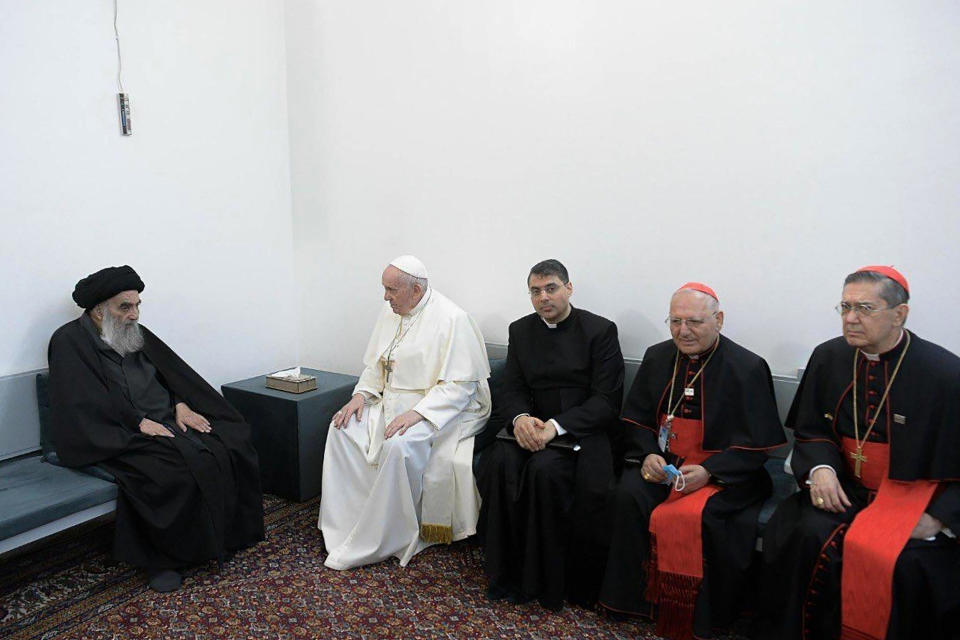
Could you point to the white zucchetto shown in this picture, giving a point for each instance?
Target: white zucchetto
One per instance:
(410, 265)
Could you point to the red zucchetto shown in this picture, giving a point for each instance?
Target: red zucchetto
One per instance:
(890, 272)
(699, 286)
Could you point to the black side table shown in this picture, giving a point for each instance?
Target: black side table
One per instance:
(289, 430)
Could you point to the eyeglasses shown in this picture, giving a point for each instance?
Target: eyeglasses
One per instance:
(692, 323)
(550, 289)
(861, 309)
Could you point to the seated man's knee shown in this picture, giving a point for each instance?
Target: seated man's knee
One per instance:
(545, 470)
(633, 493)
(501, 462)
(815, 526)
(921, 557)
(176, 483)
(395, 446)
(502, 454)
(908, 565)
(408, 442)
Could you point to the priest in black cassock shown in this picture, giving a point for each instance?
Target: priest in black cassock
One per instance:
(544, 481)
(681, 546)
(189, 485)
(867, 549)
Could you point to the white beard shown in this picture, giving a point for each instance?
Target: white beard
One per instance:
(123, 338)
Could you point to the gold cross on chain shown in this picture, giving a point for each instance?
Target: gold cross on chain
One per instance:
(858, 458)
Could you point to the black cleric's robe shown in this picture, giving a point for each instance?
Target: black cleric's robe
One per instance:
(802, 545)
(182, 500)
(734, 399)
(542, 512)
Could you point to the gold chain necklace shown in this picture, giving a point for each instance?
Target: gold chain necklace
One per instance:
(673, 379)
(858, 457)
(397, 337)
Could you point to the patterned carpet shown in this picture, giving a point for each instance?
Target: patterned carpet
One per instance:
(70, 588)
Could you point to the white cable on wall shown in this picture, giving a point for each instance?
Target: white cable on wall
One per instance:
(116, 35)
(123, 99)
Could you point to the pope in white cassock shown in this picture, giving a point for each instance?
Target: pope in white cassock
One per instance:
(397, 469)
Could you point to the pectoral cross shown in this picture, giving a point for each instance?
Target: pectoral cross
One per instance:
(858, 458)
(388, 367)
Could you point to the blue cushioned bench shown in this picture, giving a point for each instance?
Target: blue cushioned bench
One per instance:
(784, 388)
(38, 498)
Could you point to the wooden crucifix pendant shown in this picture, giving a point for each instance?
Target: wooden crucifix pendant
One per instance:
(858, 458)
(388, 368)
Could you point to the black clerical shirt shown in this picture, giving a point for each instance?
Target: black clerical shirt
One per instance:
(733, 396)
(572, 373)
(919, 417)
(137, 378)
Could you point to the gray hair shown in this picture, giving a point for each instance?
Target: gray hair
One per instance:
(412, 281)
(890, 290)
(123, 338)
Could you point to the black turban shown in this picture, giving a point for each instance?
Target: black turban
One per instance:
(104, 284)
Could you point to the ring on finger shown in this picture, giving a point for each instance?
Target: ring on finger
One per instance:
(820, 501)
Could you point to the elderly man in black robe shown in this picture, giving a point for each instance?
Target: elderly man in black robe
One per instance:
(680, 546)
(543, 489)
(868, 548)
(189, 486)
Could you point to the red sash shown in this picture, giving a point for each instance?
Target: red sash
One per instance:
(676, 545)
(874, 542)
(873, 470)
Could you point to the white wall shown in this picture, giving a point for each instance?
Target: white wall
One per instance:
(197, 200)
(767, 148)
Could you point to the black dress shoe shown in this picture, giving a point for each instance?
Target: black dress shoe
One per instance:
(164, 580)
(615, 616)
(551, 605)
(496, 592)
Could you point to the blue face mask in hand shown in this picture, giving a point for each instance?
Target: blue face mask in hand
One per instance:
(674, 477)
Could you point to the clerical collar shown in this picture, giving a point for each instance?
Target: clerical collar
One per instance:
(420, 305)
(895, 350)
(554, 325)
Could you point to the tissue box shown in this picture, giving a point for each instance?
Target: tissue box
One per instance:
(292, 384)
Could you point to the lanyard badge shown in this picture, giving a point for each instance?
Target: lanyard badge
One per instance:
(666, 432)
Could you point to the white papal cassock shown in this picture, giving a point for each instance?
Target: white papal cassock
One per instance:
(395, 497)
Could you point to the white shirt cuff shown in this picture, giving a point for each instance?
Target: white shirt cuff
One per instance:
(819, 466)
(556, 425)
